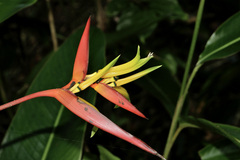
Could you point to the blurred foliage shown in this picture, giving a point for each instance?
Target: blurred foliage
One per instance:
(9, 8)
(223, 150)
(133, 17)
(164, 27)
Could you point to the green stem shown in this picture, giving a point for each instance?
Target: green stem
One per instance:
(185, 84)
(52, 134)
(178, 130)
(193, 44)
(174, 133)
(170, 141)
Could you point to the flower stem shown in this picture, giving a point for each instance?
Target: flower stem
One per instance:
(193, 44)
(185, 83)
(52, 26)
(2, 91)
(174, 133)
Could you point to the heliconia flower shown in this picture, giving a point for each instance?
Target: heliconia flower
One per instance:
(105, 82)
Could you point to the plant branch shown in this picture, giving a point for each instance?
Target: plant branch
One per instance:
(52, 26)
(2, 91)
(193, 44)
(101, 16)
(175, 133)
(185, 84)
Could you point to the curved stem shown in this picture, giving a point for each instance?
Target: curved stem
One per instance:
(178, 130)
(170, 141)
(174, 133)
(185, 84)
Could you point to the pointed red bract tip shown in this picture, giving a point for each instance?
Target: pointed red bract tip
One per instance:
(160, 156)
(45, 93)
(85, 111)
(80, 107)
(116, 98)
(81, 60)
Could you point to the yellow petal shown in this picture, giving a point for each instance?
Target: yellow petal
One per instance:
(83, 85)
(139, 64)
(131, 78)
(123, 92)
(124, 66)
(109, 80)
(90, 75)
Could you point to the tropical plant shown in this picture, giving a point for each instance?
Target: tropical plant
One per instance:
(192, 106)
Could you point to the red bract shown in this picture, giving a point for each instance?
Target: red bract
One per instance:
(81, 60)
(115, 97)
(82, 108)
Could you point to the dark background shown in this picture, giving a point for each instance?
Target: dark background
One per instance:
(25, 41)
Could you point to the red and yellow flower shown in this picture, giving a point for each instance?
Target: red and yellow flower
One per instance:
(106, 83)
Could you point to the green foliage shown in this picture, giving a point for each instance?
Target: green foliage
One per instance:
(222, 150)
(105, 154)
(134, 17)
(224, 42)
(42, 126)
(228, 131)
(209, 103)
(165, 88)
(10, 7)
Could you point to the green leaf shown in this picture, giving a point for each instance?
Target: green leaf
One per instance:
(228, 131)
(222, 150)
(10, 7)
(89, 156)
(163, 86)
(105, 154)
(224, 42)
(141, 18)
(42, 128)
